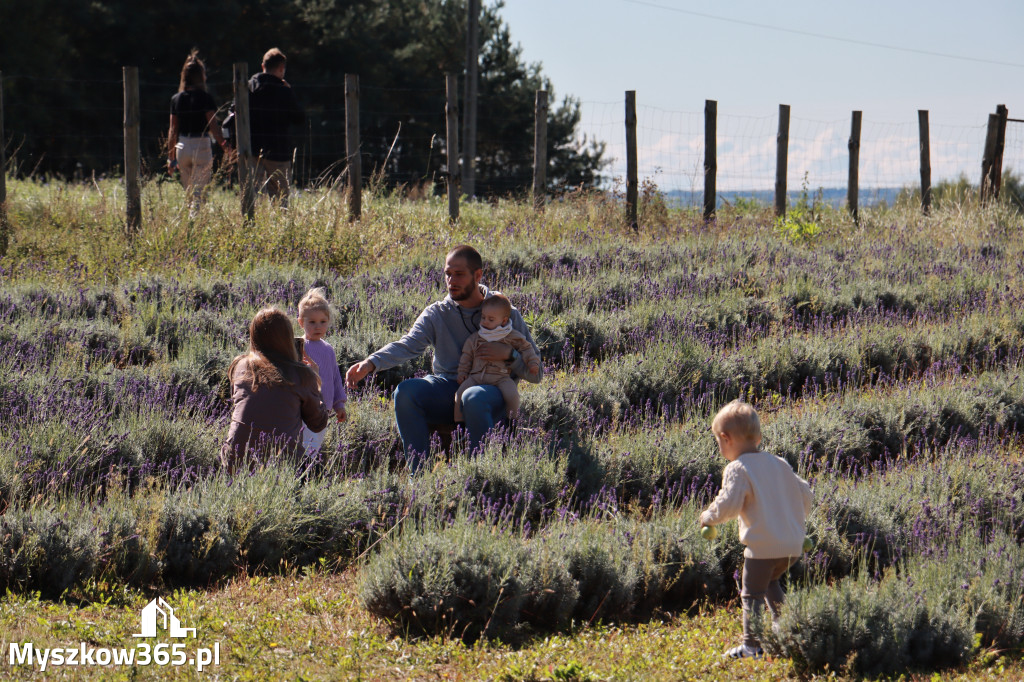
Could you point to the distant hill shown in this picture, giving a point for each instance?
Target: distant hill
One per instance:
(833, 196)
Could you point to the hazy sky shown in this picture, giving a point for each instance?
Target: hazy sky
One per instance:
(825, 59)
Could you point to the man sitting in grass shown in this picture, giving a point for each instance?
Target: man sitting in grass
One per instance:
(446, 325)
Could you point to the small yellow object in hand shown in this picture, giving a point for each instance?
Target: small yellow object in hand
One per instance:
(708, 532)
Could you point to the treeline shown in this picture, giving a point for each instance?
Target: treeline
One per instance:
(62, 60)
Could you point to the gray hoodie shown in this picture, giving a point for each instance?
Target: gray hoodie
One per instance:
(446, 325)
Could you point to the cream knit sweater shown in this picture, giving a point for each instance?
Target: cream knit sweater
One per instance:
(771, 502)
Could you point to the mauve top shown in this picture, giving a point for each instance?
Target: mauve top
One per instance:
(331, 385)
(274, 411)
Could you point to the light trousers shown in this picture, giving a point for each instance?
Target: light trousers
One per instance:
(195, 163)
(273, 177)
(312, 441)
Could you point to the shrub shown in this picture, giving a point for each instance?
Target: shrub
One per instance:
(513, 481)
(550, 596)
(455, 581)
(465, 581)
(858, 627)
(263, 512)
(368, 441)
(194, 547)
(157, 442)
(567, 410)
(653, 465)
(680, 568)
(583, 336)
(334, 523)
(982, 577)
(124, 552)
(598, 560)
(45, 551)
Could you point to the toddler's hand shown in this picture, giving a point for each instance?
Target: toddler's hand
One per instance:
(460, 378)
(341, 413)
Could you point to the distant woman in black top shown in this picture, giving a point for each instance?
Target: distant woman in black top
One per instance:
(192, 119)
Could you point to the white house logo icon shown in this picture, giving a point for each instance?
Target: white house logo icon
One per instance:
(159, 611)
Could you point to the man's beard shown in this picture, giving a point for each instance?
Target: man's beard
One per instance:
(463, 293)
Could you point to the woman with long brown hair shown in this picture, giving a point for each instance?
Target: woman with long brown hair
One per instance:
(272, 392)
(192, 121)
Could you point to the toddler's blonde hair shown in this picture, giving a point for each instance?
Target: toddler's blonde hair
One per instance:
(738, 419)
(315, 300)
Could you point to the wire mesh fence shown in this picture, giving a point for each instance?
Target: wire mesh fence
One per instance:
(77, 137)
(671, 151)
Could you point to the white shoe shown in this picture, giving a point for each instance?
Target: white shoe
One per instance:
(744, 651)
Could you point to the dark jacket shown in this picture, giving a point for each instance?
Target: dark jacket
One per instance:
(272, 108)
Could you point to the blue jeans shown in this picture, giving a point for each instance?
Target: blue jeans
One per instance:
(431, 400)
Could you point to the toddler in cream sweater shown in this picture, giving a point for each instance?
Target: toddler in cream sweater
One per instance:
(772, 504)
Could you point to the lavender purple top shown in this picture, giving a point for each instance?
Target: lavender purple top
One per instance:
(331, 385)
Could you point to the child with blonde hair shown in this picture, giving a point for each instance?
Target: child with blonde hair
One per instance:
(772, 504)
(315, 318)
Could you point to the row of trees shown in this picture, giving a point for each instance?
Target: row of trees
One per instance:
(61, 61)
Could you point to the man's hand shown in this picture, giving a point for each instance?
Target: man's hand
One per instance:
(358, 372)
(495, 351)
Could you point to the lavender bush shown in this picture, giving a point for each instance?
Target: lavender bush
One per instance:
(885, 359)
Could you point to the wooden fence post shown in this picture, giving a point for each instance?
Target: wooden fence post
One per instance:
(781, 161)
(988, 158)
(710, 157)
(540, 149)
(243, 141)
(854, 147)
(133, 208)
(632, 182)
(926, 161)
(354, 157)
(4, 227)
(451, 110)
(469, 99)
(1002, 113)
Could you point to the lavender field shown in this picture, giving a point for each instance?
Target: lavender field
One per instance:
(885, 359)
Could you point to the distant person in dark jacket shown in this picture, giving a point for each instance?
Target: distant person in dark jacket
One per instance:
(192, 122)
(272, 108)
